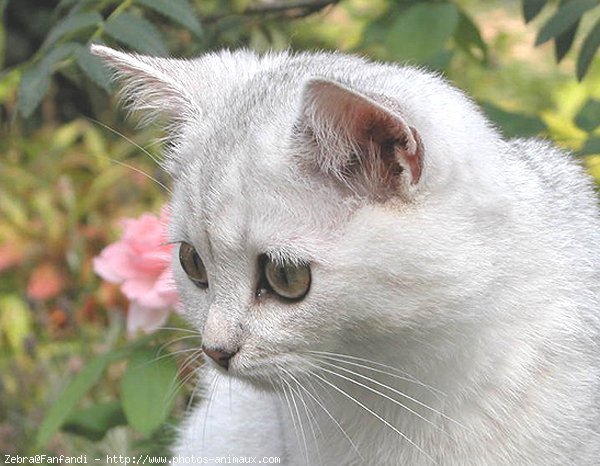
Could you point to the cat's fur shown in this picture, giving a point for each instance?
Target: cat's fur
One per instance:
(474, 270)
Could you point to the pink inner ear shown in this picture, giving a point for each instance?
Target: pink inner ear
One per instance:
(344, 120)
(415, 158)
(370, 123)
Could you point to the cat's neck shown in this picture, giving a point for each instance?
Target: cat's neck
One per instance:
(420, 398)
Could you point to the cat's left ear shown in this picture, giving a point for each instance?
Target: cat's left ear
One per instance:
(359, 140)
(154, 86)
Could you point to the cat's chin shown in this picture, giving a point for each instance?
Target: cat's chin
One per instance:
(268, 373)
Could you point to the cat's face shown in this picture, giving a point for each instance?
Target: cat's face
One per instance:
(309, 216)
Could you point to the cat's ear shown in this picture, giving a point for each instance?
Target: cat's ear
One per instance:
(152, 85)
(360, 140)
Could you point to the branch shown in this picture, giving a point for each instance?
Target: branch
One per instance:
(298, 9)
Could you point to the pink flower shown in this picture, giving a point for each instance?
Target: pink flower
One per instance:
(140, 262)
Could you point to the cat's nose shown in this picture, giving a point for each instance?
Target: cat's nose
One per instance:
(221, 357)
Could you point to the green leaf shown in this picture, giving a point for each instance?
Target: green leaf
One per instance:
(531, 8)
(147, 389)
(564, 18)
(95, 421)
(78, 387)
(440, 61)
(64, 4)
(34, 84)
(422, 30)
(72, 24)
(588, 117)
(564, 41)
(62, 407)
(513, 124)
(94, 68)
(592, 146)
(588, 50)
(35, 80)
(468, 38)
(179, 11)
(137, 33)
(78, 5)
(58, 54)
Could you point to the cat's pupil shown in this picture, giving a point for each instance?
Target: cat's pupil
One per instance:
(283, 276)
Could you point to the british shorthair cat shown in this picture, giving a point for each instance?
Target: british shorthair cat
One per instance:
(378, 275)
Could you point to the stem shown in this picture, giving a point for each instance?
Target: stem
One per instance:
(116, 12)
(290, 10)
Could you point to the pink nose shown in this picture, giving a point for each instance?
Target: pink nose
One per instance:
(221, 357)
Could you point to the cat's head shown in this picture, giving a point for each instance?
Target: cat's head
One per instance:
(320, 201)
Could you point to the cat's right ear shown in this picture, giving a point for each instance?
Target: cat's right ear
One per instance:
(151, 85)
(369, 147)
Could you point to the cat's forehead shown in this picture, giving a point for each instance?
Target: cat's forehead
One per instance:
(242, 186)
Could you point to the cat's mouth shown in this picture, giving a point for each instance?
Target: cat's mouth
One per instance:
(267, 372)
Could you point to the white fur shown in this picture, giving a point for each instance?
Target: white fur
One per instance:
(483, 283)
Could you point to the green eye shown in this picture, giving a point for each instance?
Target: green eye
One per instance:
(288, 281)
(193, 265)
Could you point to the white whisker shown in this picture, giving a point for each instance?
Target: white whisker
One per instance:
(214, 384)
(287, 400)
(377, 392)
(195, 389)
(373, 413)
(176, 386)
(129, 140)
(131, 167)
(180, 329)
(402, 374)
(315, 398)
(299, 417)
(397, 392)
(172, 342)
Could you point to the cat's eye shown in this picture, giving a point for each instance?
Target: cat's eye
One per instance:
(290, 281)
(192, 265)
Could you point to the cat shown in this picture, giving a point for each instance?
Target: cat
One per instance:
(378, 275)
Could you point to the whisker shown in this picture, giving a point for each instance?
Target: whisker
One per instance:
(402, 394)
(405, 378)
(180, 329)
(141, 172)
(287, 400)
(302, 432)
(172, 353)
(196, 388)
(333, 419)
(171, 342)
(378, 364)
(377, 392)
(177, 386)
(129, 140)
(213, 389)
(373, 413)
(299, 385)
(312, 420)
(131, 167)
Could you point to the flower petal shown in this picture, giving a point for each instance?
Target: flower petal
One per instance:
(140, 318)
(112, 263)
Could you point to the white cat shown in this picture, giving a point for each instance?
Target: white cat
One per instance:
(379, 277)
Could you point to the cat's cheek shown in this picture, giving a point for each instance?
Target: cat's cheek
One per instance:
(193, 301)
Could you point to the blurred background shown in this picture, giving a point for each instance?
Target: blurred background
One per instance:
(72, 166)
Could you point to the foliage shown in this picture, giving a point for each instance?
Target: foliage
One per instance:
(562, 28)
(137, 24)
(70, 381)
